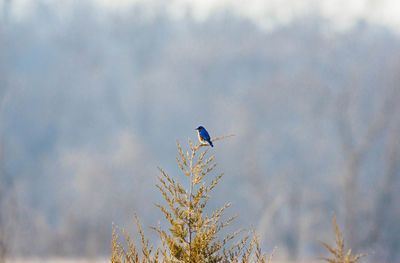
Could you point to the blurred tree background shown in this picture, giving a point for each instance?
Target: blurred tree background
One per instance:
(91, 102)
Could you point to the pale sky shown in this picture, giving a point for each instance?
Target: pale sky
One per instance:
(265, 13)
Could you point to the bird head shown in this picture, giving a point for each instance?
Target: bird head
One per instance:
(200, 128)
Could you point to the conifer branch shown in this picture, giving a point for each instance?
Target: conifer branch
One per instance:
(192, 236)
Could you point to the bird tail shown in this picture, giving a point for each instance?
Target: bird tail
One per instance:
(210, 142)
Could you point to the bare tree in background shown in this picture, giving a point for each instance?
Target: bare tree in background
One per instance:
(7, 193)
(7, 197)
(357, 139)
(385, 199)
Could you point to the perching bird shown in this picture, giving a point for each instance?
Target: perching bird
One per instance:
(204, 137)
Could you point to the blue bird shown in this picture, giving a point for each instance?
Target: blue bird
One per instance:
(204, 137)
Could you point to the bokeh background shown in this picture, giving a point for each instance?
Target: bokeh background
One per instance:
(94, 95)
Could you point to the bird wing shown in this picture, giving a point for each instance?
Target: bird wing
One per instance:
(205, 135)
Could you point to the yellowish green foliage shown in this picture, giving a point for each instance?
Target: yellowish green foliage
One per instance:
(193, 236)
(338, 253)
